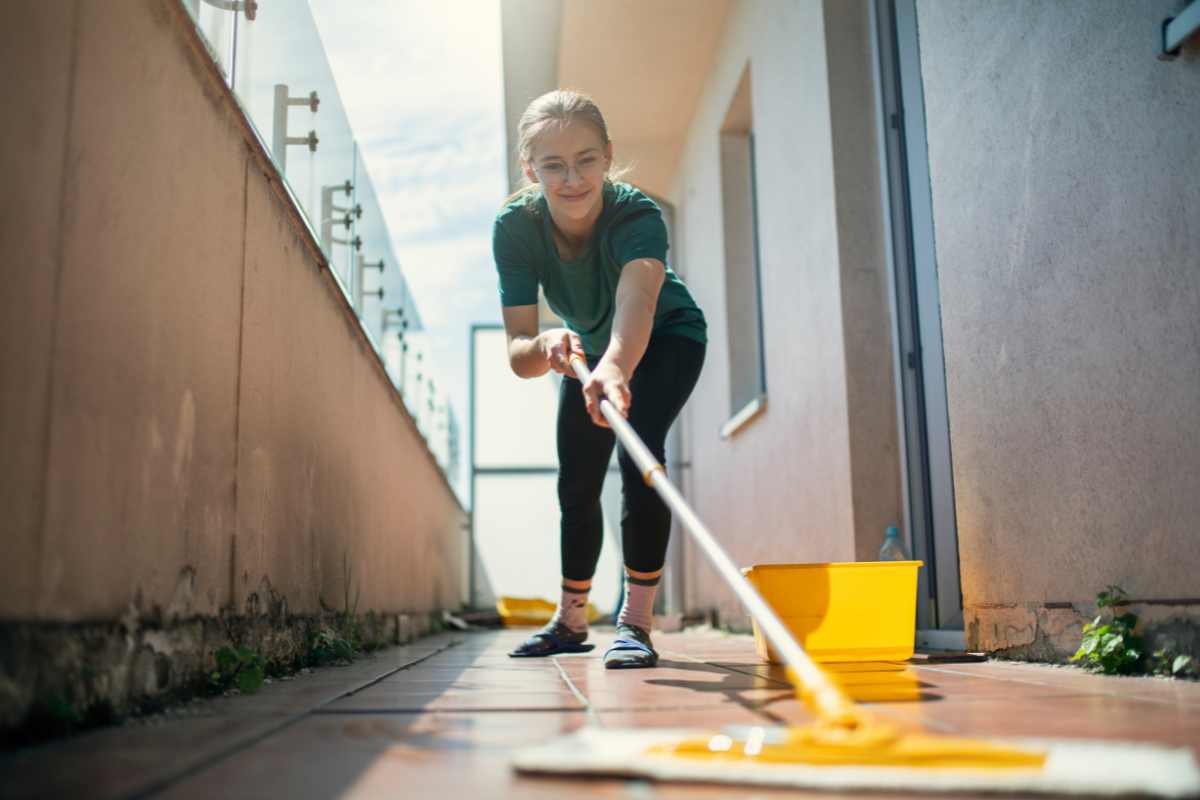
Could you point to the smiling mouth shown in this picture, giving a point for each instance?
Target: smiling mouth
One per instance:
(574, 196)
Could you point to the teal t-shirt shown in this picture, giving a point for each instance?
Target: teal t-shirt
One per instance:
(584, 291)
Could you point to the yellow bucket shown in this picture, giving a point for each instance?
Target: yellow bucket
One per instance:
(532, 611)
(860, 611)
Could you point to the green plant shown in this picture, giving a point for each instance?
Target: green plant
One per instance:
(240, 667)
(1175, 665)
(1111, 646)
(327, 646)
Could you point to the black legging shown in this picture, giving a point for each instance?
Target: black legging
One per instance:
(661, 384)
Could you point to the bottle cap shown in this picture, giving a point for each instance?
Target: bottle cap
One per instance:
(892, 532)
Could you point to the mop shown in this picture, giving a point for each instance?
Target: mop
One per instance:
(846, 748)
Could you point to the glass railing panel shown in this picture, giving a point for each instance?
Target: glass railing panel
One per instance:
(278, 70)
(218, 22)
(286, 86)
(381, 294)
(384, 302)
(416, 378)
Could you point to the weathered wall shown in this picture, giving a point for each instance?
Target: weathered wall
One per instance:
(191, 420)
(1063, 161)
(815, 478)
(32, 158)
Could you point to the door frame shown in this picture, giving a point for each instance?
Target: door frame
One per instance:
(926, 464)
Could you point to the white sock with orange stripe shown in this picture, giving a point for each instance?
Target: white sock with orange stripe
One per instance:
(572, 609)
(639, 602)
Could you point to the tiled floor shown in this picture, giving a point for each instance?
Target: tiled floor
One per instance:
(440, 719)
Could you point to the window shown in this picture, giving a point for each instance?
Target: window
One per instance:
(743, 300)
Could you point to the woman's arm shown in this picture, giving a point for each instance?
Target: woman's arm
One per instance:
(531, 354)
(637, 298)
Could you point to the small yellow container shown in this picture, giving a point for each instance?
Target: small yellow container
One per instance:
(517, 611)
(860, 611)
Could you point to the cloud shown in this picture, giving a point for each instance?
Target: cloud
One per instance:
(459, 273)
(437, 57)
(422, 86)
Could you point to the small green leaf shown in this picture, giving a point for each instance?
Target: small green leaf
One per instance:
(1113, 595)
(1180, 664)
(250, 681)
(226, 659)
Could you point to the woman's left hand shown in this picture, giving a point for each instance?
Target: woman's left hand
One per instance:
(607, 381)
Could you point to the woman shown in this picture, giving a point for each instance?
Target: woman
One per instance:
(598, 249)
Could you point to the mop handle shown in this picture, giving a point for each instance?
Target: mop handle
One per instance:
(828, 700)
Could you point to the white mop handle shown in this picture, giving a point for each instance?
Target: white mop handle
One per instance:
(774, 629)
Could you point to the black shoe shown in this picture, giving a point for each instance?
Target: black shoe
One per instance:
(631, 649)
(554, 638)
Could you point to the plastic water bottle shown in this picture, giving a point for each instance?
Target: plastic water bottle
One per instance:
(893, 548)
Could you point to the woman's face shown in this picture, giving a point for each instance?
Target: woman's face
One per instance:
(570, 163)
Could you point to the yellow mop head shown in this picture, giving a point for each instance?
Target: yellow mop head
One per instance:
(1082, 768)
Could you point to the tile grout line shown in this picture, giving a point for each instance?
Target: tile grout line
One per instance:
(897, 714)
(392, 710)
(759, 709)
(1066, 691)
(238, 746)
(593, 717)
(941, 726)
(390, 673)
(782, 684)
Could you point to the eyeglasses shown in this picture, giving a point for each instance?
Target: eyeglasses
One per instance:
(555, 173)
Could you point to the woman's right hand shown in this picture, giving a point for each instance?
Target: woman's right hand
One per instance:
(556, 345)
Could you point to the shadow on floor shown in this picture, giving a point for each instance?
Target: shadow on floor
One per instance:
(864, 683)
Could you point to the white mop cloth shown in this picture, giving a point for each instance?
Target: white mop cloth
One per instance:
(1073, 767)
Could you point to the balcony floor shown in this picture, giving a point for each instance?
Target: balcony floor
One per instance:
(440, 717)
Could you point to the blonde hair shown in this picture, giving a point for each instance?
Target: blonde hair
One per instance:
(557, 109)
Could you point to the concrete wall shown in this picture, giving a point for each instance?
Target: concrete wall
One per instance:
(191, 419)
(816, 477)
(1063, 162)
(641, 63)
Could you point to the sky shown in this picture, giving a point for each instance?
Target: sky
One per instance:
(422, 85)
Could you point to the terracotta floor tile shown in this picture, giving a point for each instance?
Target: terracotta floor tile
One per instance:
(446, 726)
(698, 718)
(515, 671)
(416, 755)
(117, 762)
(480, 681)
(1075, 680)
(1074, 716)
(452, 699)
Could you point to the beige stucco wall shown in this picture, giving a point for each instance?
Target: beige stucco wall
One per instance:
(191, 417)
(815, 478)
(1063, 159)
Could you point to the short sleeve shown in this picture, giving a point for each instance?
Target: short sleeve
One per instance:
(641, 233)
(518, 283)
